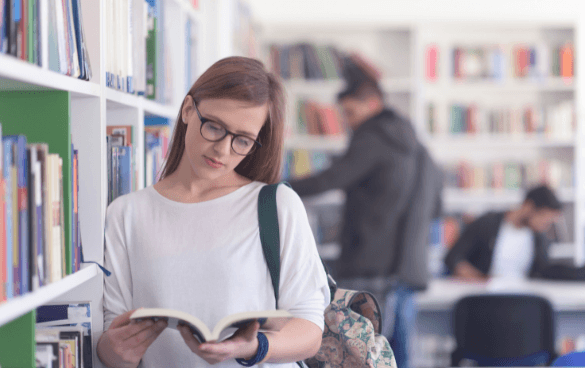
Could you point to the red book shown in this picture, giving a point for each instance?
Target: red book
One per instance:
(24, 29)
(432, 58)
(567, 61)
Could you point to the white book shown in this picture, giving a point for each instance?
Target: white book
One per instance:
(270, 320)
(55, 219)
(61, 37)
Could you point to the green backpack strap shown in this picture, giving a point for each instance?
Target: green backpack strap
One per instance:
(270, 232)
(270, 236)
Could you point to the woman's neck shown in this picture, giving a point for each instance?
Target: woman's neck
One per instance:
(184, 186)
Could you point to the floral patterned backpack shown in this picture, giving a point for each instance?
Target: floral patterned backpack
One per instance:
(351, 338)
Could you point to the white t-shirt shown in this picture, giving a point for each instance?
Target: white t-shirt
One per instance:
(206, 259)
(513, 252)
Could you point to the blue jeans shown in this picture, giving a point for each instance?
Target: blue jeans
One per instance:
(399, 325)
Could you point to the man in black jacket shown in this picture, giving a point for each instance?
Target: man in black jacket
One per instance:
(511, 244)
(392, 190)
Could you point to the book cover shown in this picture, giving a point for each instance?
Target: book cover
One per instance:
(125, 172)
(270, 320)
(22, 208)
(75, 225)
(57, 261)
(66, 251)
(3, 25)
(77, 26)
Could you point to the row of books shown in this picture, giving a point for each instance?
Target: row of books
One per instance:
(33, 250)
(318, 119)
(157, 135)
(20, 35)
(305, 61)
(490, 62)
(137, 61)
(554, 121)
(122, 168)
(63, 336)
(509, 175)
(301, 162)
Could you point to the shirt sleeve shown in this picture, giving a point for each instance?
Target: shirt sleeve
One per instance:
(117, 286)
(304, 290)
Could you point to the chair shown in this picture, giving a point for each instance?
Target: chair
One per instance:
(503, 330)
(574, 359)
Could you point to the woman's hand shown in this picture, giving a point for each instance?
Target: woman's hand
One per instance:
(243, 344)
(125, 342)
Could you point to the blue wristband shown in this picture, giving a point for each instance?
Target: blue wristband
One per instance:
(260, 354)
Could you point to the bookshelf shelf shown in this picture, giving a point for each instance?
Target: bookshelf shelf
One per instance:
(159, 109)
(330, 87)
(117, 99)
(19, 75)
(465, 142)
(463, 199)
(486, 86)
(335, 144)
(21, 305)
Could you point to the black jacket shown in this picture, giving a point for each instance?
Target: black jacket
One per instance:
(380, 174)
(476, 246)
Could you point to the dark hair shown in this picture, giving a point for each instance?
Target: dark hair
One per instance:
(360, 81)
(242, 79)
(543, 197)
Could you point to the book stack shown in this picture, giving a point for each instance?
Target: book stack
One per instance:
(63, 336)
(129, 26)
(318, 119)
(554, 121)
(301, 162)
(157, 133)
(20, 35)
(510, 175)
(305, 61)
(33, 251)
(122, 168)
(490, 62)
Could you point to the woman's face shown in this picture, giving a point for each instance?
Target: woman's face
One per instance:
(212, 160)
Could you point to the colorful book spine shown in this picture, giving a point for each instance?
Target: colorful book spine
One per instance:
(10, 250)
(3, 245)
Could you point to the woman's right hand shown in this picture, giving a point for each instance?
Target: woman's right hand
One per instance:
(126, 341)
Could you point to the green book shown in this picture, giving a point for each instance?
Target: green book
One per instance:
(151, 53)
(17, 339)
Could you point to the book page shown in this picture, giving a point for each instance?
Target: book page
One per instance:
(174, 319)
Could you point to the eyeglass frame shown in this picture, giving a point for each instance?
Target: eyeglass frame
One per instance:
(227, 132)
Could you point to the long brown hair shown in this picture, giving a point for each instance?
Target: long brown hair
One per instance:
(242, 79)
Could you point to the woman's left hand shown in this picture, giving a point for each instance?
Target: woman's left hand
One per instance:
(243, 344)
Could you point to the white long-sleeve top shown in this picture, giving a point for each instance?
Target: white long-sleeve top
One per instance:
(206, 259)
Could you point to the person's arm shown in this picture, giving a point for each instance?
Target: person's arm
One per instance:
(457, 259)
(363, 154)
(123, 343)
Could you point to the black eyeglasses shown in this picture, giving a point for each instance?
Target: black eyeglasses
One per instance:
(215, 132)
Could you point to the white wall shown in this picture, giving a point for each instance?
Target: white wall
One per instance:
(396, 11)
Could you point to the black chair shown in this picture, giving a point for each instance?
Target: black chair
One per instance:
(503, 330)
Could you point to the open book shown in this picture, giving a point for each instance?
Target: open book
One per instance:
(271, 320)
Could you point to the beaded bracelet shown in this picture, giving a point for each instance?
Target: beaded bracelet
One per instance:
(260, 354)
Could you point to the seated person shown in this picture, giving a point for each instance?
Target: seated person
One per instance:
(511, 244)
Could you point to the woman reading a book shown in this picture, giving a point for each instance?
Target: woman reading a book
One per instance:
(191, 241)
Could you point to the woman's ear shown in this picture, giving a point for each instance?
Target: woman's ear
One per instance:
(187, 108)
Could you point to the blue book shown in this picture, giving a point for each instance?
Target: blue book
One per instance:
(3, 27)
(7, 174)
(21, 160)
(125, 165)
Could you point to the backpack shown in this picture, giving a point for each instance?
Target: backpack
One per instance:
(351, 338)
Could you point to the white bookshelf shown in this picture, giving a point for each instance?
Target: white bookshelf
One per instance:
(95, 106)
(398, 49)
